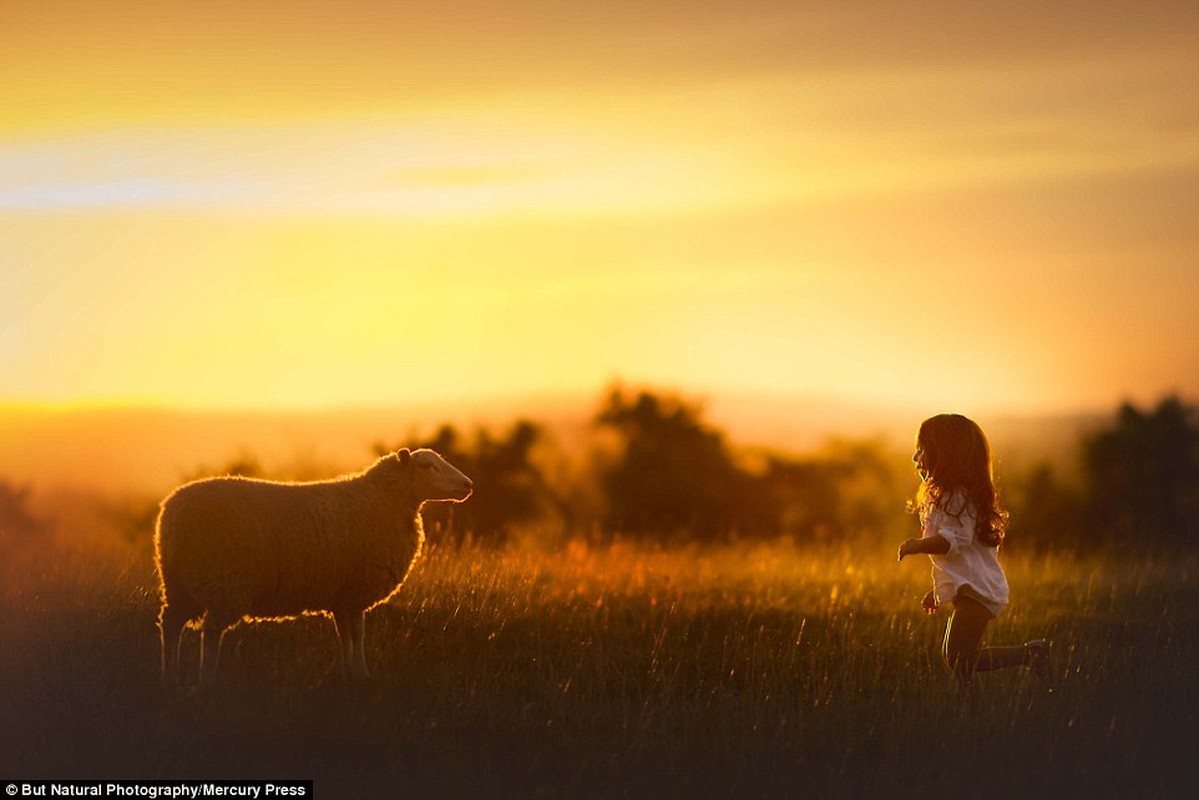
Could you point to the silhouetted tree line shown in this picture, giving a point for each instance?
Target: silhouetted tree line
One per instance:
(659, 472)
(668, 476)
(665, 476)
(1139, 486)
(676, 477)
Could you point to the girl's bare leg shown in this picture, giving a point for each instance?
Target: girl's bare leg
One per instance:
(963, 640)
(990, 658)
(963, 648)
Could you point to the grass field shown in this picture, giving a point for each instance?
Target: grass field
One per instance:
(621, 671)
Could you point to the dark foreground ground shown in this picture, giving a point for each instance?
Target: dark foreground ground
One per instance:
(620, 674)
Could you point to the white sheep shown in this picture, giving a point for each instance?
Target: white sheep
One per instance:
(233, 548)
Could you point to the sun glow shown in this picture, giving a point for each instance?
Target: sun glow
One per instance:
(403, 200)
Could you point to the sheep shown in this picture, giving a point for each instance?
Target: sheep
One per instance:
(232, 548)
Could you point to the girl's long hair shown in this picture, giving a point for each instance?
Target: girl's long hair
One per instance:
(957, 457)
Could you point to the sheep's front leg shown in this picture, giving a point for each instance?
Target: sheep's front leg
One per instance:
(351, 627)
(343, 621)
(359, 626)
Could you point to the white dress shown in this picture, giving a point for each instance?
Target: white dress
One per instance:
(969, 563)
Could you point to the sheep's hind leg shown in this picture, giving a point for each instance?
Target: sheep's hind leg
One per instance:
(171, 621)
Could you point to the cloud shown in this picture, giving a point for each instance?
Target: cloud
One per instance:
(443, 166)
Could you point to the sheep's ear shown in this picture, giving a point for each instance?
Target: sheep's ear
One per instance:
(404, 455)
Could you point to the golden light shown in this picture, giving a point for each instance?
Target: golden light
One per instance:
(237, 207)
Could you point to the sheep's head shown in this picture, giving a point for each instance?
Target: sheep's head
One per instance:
(432, 477)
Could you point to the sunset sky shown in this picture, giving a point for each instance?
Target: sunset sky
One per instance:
(300, 204)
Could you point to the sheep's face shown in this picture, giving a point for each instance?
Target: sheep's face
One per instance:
(434, 478)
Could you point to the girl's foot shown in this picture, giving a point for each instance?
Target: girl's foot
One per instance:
(1038, 657)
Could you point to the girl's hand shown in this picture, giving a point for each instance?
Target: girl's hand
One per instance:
(929, 603)
(908, 547)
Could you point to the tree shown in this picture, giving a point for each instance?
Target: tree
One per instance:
(806, 494)
(1047, 513)
(675, 475)
(1142, 475)
(15, 517)
(849, 488)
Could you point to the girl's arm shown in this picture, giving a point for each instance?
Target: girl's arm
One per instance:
(935, 545)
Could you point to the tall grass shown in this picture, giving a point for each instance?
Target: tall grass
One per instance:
(760, 670)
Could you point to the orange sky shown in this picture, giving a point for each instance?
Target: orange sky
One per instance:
(316, 203)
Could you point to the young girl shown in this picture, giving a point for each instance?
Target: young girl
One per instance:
(962, 527)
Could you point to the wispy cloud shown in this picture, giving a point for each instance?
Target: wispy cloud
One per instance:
(374, 169)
